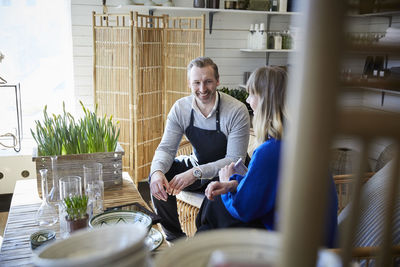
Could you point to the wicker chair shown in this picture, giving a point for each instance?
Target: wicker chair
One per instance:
(367, 234)
(188, 206)
(188, 203)
(343, 184)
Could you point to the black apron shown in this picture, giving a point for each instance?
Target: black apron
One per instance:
(208, 145)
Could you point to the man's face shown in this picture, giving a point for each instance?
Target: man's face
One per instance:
(203, 84)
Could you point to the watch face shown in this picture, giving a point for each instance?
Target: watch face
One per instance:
(197, 173)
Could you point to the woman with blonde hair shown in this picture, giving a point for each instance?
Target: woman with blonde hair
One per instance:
(249, 200)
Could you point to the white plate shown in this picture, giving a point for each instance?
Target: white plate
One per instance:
(94, 247)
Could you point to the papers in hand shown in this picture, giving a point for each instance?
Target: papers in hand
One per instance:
(240, 168)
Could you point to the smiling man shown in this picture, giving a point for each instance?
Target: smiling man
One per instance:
(216, 124)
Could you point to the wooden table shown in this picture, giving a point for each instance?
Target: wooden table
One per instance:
(21, 223)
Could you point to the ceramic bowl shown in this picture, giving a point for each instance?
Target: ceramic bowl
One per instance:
(121, 217)
(42, 237)
(96, 247)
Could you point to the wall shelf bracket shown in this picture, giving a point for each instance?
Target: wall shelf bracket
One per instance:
(211, 19)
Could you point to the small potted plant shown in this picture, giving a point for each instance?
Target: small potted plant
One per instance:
(76, 208)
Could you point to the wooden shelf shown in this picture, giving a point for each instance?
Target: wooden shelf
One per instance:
(211, 11)
(377, 14)
(267, 50)
(221, 10)
(372, 84)
(376, 48)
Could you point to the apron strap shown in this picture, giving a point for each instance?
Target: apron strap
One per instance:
(217, 114)
(218, 128)
(191, 118)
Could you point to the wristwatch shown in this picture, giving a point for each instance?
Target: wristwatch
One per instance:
(197, 173)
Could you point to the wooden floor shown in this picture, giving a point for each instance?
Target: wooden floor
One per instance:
(3, 221)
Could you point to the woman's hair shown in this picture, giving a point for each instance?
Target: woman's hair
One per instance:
(269, 84)
(202, 62)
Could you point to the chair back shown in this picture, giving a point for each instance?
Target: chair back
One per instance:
(315, 120)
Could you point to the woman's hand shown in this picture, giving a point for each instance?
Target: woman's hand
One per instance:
(218, 188)
(226, 172)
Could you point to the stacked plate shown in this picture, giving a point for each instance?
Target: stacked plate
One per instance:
(116, 245)
(233, 247)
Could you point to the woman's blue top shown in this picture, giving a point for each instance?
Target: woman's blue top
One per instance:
(255, 196)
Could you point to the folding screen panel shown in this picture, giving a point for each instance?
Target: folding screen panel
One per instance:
(139, 71)
(148, 92)
(112, 68)
(184, 41)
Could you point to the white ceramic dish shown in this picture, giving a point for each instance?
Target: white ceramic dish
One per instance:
(96, 247)
(248, 245)
(154, 239)
(121, 217)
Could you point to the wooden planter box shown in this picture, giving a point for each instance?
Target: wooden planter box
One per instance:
(73, 165)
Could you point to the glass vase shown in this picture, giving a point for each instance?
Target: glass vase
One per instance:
(54, 195)
(47, 214)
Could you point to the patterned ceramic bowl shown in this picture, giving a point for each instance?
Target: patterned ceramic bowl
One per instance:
(42, 237)
(120, 217)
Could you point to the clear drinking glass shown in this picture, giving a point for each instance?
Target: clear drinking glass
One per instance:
(92, 172)
(95, 193)
(47, 213)
(69, 186)
(94, 187)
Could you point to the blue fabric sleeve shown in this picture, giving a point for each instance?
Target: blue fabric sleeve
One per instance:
(236, 177)
(255, 196)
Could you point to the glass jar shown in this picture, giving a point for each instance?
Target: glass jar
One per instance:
(270, 41)
(277, 41)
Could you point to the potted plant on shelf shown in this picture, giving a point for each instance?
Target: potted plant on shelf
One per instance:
(240, 95)
(64, 145)
(76, 208)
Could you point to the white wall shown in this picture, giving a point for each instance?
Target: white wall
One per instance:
(229, 34)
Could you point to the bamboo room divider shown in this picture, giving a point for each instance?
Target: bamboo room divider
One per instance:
(112, 67)
(184, 40)
(139, 71)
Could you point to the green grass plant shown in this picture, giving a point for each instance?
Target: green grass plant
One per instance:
(76, 207)
(63, 135)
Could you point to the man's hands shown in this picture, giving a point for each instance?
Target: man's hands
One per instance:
(218, 188)
(159, 185)
(180, 181)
